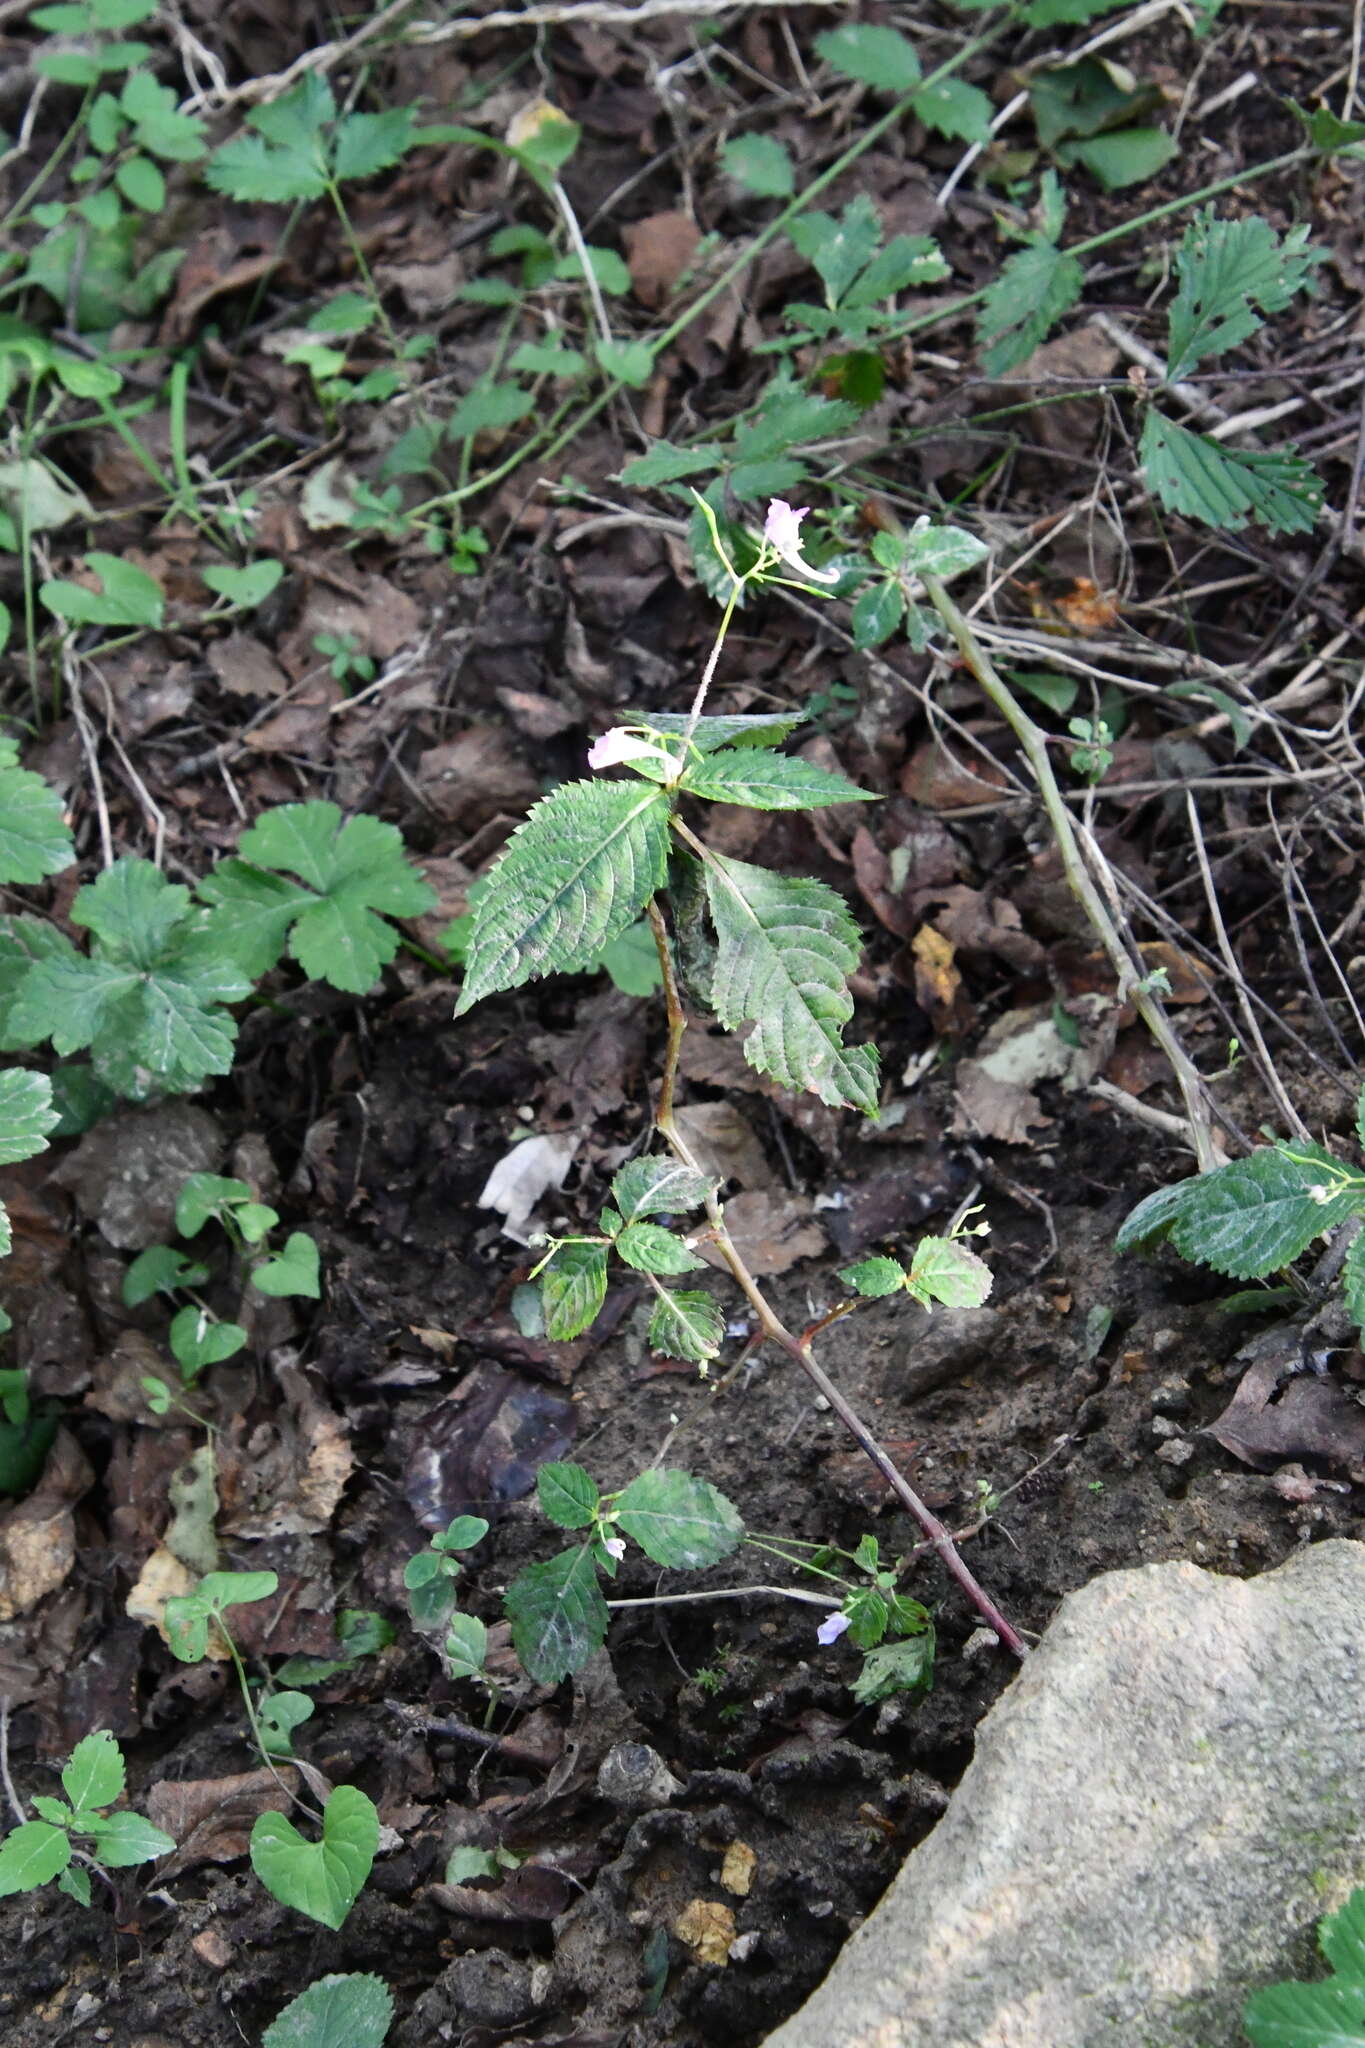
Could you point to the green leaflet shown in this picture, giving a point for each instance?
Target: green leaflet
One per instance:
(1193, 474)
(572, 1289)
(679, 1520)
(874, 1278)
(770, 782)
(657, 1185)
(1253, 1216)
(737, 729)
(558, 1615)
(1024, 303)
(651, 1249)
(568, 1495)
(945, 1270)
(687, 1324)
(1228, 269)
(572, 878)
(352, 2011)
(322, 1879)
(787, 946)
(34, 838)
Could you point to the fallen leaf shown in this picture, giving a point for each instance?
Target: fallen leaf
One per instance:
(211, 1818)
(1272, 1418)
(723, 1143)
(659, 250)
(38, 1535)
(772, 1229)
(127, 1172)
(994, 1089)
(245, 667)
(523, 1176)
(478, 775)
(483, 1445)
(707, 1928)
(163, 1577)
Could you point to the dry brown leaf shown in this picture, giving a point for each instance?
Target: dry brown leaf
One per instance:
(38, 1536)
(211, 1818)
(476, 776)
(773, 1230)
(723, 1143)
(292, 1481)
(164, 1578)
(245, 667)
(659, 250)
(1271, 1418)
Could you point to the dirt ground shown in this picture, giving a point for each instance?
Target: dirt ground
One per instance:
(1066, 1427)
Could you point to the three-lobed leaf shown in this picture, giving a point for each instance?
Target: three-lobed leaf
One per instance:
(573, 877)
(1023, 303)
(1232, 273)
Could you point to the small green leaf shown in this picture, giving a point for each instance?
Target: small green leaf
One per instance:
(1236, 716)
(198, 1341)
(32, 1854)
(871, 55)
(687, 1324)
(125, 1839)
(141, 184)
(369, 143)
(295, 1271)
(568, 1495)
(188, 1614)
(770, 782)
(322, 1879)
(679, 1520)
(1128, 157)
(943, 1269)
(1034, 288)
(761, 164)
(466, 1646)
(711, 734)
(279, 1716)
(1232, 272)
(461, 1534)
(488, 407)
(651, 1249)
(558, 1615)
(351, 2011)
(874, 1277)
(666, 464)
(246, 587)
(26, 1115)
(539, 359)
(838, 250)
(867, 1613)
(202, 1196)
(956, 109)
(1056, 691)
(629, 362)
(877, 611)
(94, 1776)
(574, 876)
(905, 1666)
(160, 1270)
(573, 1289)
(1150, 1223)
(658, 1185)
(35, 840)
(75, 1882)
(943, 551)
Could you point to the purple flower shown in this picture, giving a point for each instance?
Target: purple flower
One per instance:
(615, 1546)
(831, 1630)
(782, 531)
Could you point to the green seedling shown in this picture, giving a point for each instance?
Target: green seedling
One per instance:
(77, 1834)
(341, 652)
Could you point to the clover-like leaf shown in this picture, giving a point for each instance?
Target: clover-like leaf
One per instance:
(352, 878)
(322, 1879)
(573, 877)
(188, 1615)
(558, 1615)
(687, 1324)
(679, 1520)
(787, 946)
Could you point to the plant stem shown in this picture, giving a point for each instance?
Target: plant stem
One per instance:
(774, 1328)
(1083, 887)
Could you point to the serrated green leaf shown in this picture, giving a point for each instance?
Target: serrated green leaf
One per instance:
(905, 261)
(75, 1882)
(877, 611)
(789, 419)
(944, 1269)
(787, 946)
(488, 408)
(839, 250)
(32, 1854)
(629, 362)
(687, 1324)
(1150, 1223)
(652, 1249)
(558, 1615)
(1259, 1213)
(95, 1775)
(741, 729)
(322, 1879)
(539, 359)
(1353, 1282)
(294, 1271)
(26, 1115)
(871, 55)
(1232, 273)
(351, 2011)
(568, 1495)
(35, 840)
(124, 1839)
(665, 464)
(572, 878)
(1034, 288)
(1341, 1937)
(761, 164)
(905, 1666)
(573, 1288)
(874, 1278)
(658, 1185)
(368, 143)
(771, 782)
(956, 109)
(1196, 475)
(1330, 2015)
(355, 877)
(1326, 130)
(678, 1520)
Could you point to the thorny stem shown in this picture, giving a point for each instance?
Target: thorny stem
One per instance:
(1082, 883)
(776, 1330)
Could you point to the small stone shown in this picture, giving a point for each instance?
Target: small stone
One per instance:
(1171, 1397)
(980, 1643)
(737, 1870)
(542, 1983)
(708, 1929)
(1178, 1451)
(211, 1948)
(743, 1946)
(1163, 1429)
(634, 1777)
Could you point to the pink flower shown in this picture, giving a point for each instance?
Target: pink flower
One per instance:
(621, 744)
(831, 1630)
(782, 531)
(615, 1546)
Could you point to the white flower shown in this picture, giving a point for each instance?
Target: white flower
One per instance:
(615, 1546)
(621, 744)
(831, 1630)
(782, 531)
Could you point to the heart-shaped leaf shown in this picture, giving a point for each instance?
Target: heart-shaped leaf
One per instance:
(295, 1271)
(322, 1879)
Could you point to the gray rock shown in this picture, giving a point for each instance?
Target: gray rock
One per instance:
(128, 1170)
(1157, 1814)
(635, 1777)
